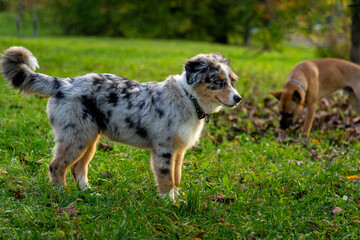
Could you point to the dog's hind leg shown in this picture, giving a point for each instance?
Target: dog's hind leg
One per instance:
(66, 153)
(354, 101)
(79, 169)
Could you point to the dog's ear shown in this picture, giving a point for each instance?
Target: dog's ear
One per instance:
(296, 97)
(197, 69)
(277, 94)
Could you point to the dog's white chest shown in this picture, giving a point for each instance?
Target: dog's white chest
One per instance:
(190, 132)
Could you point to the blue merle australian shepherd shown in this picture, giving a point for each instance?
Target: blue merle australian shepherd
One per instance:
(165, 117)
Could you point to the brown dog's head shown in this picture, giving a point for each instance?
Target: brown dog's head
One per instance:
(291, 102)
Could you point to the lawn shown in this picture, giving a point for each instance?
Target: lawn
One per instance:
(237, 183)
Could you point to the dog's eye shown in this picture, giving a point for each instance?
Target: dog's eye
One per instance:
(218, 82)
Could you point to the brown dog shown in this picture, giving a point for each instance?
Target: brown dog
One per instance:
(311, 80)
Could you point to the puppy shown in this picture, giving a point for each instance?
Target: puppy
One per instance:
(311, 80)
(165, 117)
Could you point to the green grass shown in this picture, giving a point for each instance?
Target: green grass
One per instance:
(263, 193)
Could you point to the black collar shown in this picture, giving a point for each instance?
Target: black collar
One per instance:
(200, 113)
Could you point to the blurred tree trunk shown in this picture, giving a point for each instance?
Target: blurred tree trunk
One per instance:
(267, 19)
(19, 17)
(355, 32)
(247, 30)
(35, 19)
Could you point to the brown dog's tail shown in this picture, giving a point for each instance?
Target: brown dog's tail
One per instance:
(18, 65)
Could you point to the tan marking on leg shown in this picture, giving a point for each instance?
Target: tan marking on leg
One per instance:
(180, 150)
(80, 168)
(65, 154)
(166, 182)
(179, 156)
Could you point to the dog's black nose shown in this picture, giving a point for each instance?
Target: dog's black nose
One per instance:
(284, 124)
(237, 98)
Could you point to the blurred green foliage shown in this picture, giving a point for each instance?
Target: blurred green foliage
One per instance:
(265, 22)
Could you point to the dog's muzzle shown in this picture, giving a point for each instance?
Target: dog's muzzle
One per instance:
(285, 123)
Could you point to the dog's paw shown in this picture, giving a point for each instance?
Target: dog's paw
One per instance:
(171, 195)
(84, 187)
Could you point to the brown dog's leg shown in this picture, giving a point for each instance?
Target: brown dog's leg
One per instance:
(80, 168)
(309, 119)
(354, 99)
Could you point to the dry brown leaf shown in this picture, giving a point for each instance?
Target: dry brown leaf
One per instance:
(105, 147)
(336, 210)
(219, 198)
(314, 226)
(17, 194)
(70, 210)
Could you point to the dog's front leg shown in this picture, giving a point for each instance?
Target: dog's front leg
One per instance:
(309, 118)
(163, 167)
(179, 156)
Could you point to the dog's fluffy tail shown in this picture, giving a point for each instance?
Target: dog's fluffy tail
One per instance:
(18, 65)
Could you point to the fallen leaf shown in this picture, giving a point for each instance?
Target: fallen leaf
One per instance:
(315, 141)
(219, 198)
(17, 194)
(105, 147)
(352, 177)
(314, 226)
(70, 210)
(230, 137)
(336, 210)
(222, 222)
